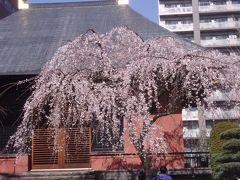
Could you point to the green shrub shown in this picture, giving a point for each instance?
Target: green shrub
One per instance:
(227, 157)
(231, 133)
(227, 171)
(228, 160)
(216, 144)
(232, 145)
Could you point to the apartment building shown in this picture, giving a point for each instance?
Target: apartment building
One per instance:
(210, 23)
(213, 24)
(198, 122)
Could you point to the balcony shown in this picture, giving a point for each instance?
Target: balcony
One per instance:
(190, 114)
(196, 159)
(177, 27)
(191, 133)
(174, 10)
(222, 96)
(219, 8)
(219, 25)
(221, 114)
(213, 42)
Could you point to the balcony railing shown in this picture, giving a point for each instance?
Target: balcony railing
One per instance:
(222, 96)
(190, 114)
(178, 27)
(190, 133)
(174, 10)
(222, 114)
(219, 8)
(219, 25)
(196, 160)
(220, 42)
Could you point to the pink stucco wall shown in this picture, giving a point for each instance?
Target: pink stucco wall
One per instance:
(11, 164)
(172, 128)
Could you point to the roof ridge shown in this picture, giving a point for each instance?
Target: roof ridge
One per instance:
(74, 4)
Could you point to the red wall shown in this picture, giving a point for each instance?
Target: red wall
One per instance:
(172, 128)
(13, 165)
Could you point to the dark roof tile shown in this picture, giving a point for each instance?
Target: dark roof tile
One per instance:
(29, 38)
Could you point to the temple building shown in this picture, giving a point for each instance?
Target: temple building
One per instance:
(28, 39)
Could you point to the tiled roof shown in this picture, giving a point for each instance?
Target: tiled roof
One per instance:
(30, 37)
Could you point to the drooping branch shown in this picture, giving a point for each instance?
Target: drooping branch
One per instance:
(159, 115)
(99, 77)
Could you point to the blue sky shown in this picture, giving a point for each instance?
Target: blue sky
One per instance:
(147, 8)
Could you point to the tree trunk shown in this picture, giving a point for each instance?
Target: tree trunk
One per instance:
(148, 174)
(146, 167)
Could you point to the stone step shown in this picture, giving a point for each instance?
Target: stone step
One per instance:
(49, 177)
(52, 175)
(58, 172)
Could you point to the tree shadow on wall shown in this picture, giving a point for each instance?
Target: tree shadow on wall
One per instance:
(118, 168)
(175, 147)
(132, 164)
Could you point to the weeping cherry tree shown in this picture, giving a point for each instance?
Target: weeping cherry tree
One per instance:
(102, 80)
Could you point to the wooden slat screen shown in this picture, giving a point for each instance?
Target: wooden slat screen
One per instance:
(43, 154)
(78, 148)
(73, 149)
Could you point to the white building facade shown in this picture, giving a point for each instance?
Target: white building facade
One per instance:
(198, 122)
(210, 23)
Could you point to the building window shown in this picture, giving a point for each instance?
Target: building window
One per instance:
(170, 5)
(209, 124)
(235, 1)
(187, 36)
(186, 5)
(171, 22)
(101, 142)
(236, 18)
(99, 145)
(221, 36)
(190, 124)
(205, 20)
(207, 37)
(225, 19)
(191, 145)
(219, 2)
(204, 3)
(187, 21)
